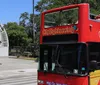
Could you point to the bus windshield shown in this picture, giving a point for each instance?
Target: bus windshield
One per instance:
(64, 59)
(61, 18)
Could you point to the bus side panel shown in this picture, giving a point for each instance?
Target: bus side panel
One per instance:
(95, 78)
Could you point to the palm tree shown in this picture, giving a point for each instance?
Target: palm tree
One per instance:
(23, 18)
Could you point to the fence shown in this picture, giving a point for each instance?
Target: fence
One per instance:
(28, 51)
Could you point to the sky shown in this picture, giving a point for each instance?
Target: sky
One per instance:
(10, 10)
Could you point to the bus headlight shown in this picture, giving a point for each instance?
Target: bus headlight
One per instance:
(40, 82)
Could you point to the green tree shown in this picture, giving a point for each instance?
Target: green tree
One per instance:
(26, 20)
(49, 4)
(17, 35)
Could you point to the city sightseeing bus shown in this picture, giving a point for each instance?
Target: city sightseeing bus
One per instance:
(69, 46)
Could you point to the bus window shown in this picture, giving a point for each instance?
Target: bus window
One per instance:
(47, 58)
(94, 56)
(64, 59)
(73, 59)
(61, 18)
(95, 17)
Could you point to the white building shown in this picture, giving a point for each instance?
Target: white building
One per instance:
(4, 43)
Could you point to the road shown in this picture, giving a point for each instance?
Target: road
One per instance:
(19, 80)
(17, 71)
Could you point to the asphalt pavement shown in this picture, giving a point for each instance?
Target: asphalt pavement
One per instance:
(18, 71)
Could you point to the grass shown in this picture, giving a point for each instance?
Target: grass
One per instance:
(27, 58)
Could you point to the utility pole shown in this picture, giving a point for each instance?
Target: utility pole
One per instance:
(33, 30)
(33, 23)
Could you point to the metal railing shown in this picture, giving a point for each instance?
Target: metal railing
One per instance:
(27, 51)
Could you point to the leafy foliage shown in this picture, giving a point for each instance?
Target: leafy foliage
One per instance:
(26, 20)
(49, 4)
(17, 35)
(22, 34)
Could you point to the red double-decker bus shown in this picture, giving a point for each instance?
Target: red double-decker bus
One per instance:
(69, 46)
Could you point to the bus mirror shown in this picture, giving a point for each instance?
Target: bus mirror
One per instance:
(93, 65)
